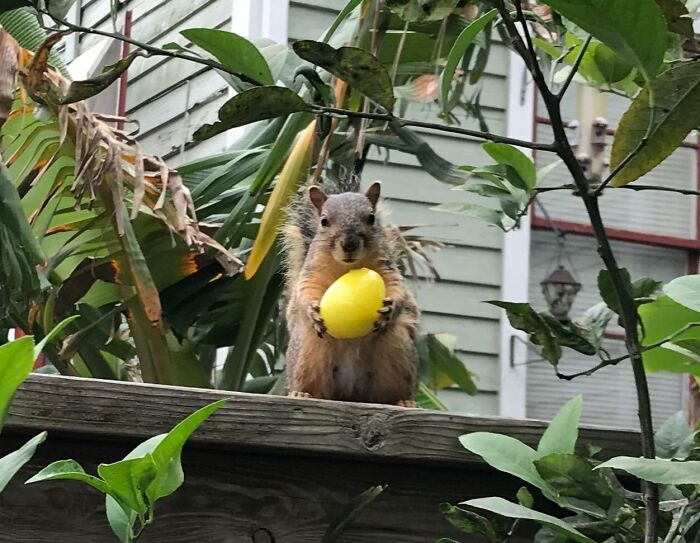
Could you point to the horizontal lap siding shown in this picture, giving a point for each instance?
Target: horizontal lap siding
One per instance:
(170, 98)
(470, 268)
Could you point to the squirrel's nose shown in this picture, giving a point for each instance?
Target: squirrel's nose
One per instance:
(350, 245)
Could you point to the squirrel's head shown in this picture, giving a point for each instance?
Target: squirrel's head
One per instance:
(347, 222)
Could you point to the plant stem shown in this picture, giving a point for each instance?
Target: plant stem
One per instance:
(574, 69)
(614, 361)
(628, 310)
(637, 188)
(322, 110)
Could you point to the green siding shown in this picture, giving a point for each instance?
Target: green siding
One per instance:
(471, 266)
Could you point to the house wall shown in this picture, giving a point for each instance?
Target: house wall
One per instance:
(171, 98)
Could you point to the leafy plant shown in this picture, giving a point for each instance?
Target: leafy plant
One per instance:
(132, 486)
(567, 474)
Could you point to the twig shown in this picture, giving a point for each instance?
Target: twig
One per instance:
(322, 110)
(574, 69)
(150, 49)
(614, 361)
(535, 66)
(636, 188)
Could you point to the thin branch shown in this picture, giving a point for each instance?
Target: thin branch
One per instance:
(574, 69)
(636, 188)
(642, 143)
(388, 117)
(535, 65)
(150, 49)
(615, 361)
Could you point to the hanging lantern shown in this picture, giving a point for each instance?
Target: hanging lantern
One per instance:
(560, 290)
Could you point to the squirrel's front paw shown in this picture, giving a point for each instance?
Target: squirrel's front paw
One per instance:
(386, 313)
(316, 320)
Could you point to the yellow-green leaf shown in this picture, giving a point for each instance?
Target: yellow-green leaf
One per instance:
(290, 178)
(677, 93)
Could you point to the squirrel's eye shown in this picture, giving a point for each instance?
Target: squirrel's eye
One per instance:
(324, 221)
(370, 219)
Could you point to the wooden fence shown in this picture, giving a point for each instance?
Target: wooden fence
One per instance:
(263, 469)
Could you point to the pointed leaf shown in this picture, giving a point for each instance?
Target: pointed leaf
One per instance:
(634, 30)
(253, 105)
(506, 454)
(523, 317)
(16, 361)
(233, 51)
(677, 95)
(607, 289)
(685, 291)
(562, 433)
(464, 41)
(663, 472)
(358, 68)
(469, 522)
(166, 455)
(82, 90)
(69, 470)
(347, 10)
(516, 159)
(293, 174)
(13, 462)
(674, 440)
(513, 510)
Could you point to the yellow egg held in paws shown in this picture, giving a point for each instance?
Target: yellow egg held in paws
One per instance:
(349, 307)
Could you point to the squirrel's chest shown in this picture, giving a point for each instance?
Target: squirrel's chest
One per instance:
(351, 374)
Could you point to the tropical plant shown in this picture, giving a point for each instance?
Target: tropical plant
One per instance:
(568, 474)
(149, 258)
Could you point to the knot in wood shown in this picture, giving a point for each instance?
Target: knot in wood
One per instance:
(262, 535)
(372, 430)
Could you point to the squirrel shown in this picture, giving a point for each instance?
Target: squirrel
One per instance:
(326, 236)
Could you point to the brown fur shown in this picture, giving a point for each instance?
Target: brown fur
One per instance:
(378, 368)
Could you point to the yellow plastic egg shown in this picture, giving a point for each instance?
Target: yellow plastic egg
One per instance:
(349, 306)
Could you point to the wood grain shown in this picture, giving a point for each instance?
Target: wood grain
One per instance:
(263, 469)
(107, 409)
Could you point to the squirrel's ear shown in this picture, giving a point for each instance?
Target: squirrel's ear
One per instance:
(317, 197)
(373, 193)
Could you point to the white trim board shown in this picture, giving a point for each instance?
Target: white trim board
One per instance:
(516, 251)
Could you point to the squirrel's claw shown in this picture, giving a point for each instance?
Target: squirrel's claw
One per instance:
(386, 313)
(316, 320)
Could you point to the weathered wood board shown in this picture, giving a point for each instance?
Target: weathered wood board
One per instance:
(263, 469)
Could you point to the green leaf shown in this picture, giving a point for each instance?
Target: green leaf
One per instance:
(128, 480)
(594, 322)
(513, 510)
(674, 440)
(120, 521)
(476, 211)
(611, 67)
(464, 41)
(645, 287)
(685, 290)
(506, 454)
(678, 19)
(233, 51)
(69, 470)
(82, 90)
(441, 360)
(347, 10)
(677, 106)
(16, 361)
(358, 68)
(256, 104)
(634, 30)
(562, 433)
(13, 462)
(166, 455)
(662, 318)
(572, 335)
(427, 399)
(523, 317)
(53, 334)
(421, 11)
(515, 158)
(524, 497)
(607, 289)
(469, 522)
(663, 472)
